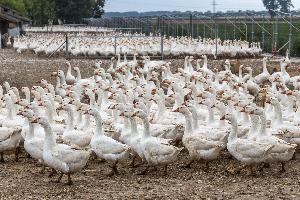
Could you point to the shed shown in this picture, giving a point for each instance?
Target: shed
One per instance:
(10, 19)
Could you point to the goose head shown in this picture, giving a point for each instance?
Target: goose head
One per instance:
(29, 114)
(182, 109)
(140, 114)
(42, 121)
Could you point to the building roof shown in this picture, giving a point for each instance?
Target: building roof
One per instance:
(11, 15)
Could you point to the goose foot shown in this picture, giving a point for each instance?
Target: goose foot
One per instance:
(70, 182)
(238, 170)
(53, 172)
(282, 168)
(294, 157)
(59, 178)
(188, 165)
(253, 171)
(2, 158)
(17, 154)
(166, 170)
(94, 156)
(263, 166)
(43, 169)
(144, 172)
(206, 168)
(176, 143)
(132, 161)
(114, 170)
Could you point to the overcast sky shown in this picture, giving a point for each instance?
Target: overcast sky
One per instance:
(184, 5)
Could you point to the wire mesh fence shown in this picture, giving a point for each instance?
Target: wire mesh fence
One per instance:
(274, 34)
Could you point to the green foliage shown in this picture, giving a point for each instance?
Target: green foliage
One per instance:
(49, 11)
(285, 5)
(278, 5)
(72, 11)
(98, 8)
(17, 5)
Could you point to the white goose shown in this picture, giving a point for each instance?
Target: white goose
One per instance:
(155, 150)
(70, 79)
(61, 157)
(105, 147)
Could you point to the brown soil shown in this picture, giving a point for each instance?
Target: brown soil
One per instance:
(22, 180)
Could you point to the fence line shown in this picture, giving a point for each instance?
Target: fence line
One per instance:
(270, 32)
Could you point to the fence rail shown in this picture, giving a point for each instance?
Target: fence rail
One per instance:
(275, 34)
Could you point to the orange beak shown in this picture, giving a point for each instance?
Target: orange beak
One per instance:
(34, 121)
(176, 110)
(243, 110)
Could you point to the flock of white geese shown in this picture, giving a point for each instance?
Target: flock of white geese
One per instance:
(84, 44)
(147, 114)
(65, 29)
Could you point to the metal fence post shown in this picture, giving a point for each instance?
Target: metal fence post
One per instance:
(225, 27)
(216, 37)
(234, 28)
(263, 33)
(252, 31)
(162, 46)
(177, 28)
(191, 26)
(276, 33)
(290, 35)
(204, 31)
(182, 27)
(67, 47)
(115, 44)
(158, 29)
(197, 28)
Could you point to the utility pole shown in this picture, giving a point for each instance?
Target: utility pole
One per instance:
(214, 4)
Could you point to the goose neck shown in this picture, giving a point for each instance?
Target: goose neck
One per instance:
(211, 117)
(265, 70)
(188, 123)
(254, 124)
(278, 113)
(78, 76)
(234, 128)
(133, 125)
(49, 138)
(195, 118)
(146, 128)
(62, 80)
(30, 133)
(263, 124)
(49, 114)
(99, 129)
(70, 121)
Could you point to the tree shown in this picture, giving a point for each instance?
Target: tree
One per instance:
(73, 11)
(278, 5)
(285, 5)
(271, 5)
(40, 11)
(17, 5)
(43, 12)
(98, 8)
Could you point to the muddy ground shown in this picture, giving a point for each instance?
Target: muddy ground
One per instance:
(22, 180)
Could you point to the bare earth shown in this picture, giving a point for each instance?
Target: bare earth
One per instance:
(22, 180)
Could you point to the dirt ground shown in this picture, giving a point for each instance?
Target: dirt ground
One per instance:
(22, 180)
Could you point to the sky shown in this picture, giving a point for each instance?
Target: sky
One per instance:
(185, 5)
